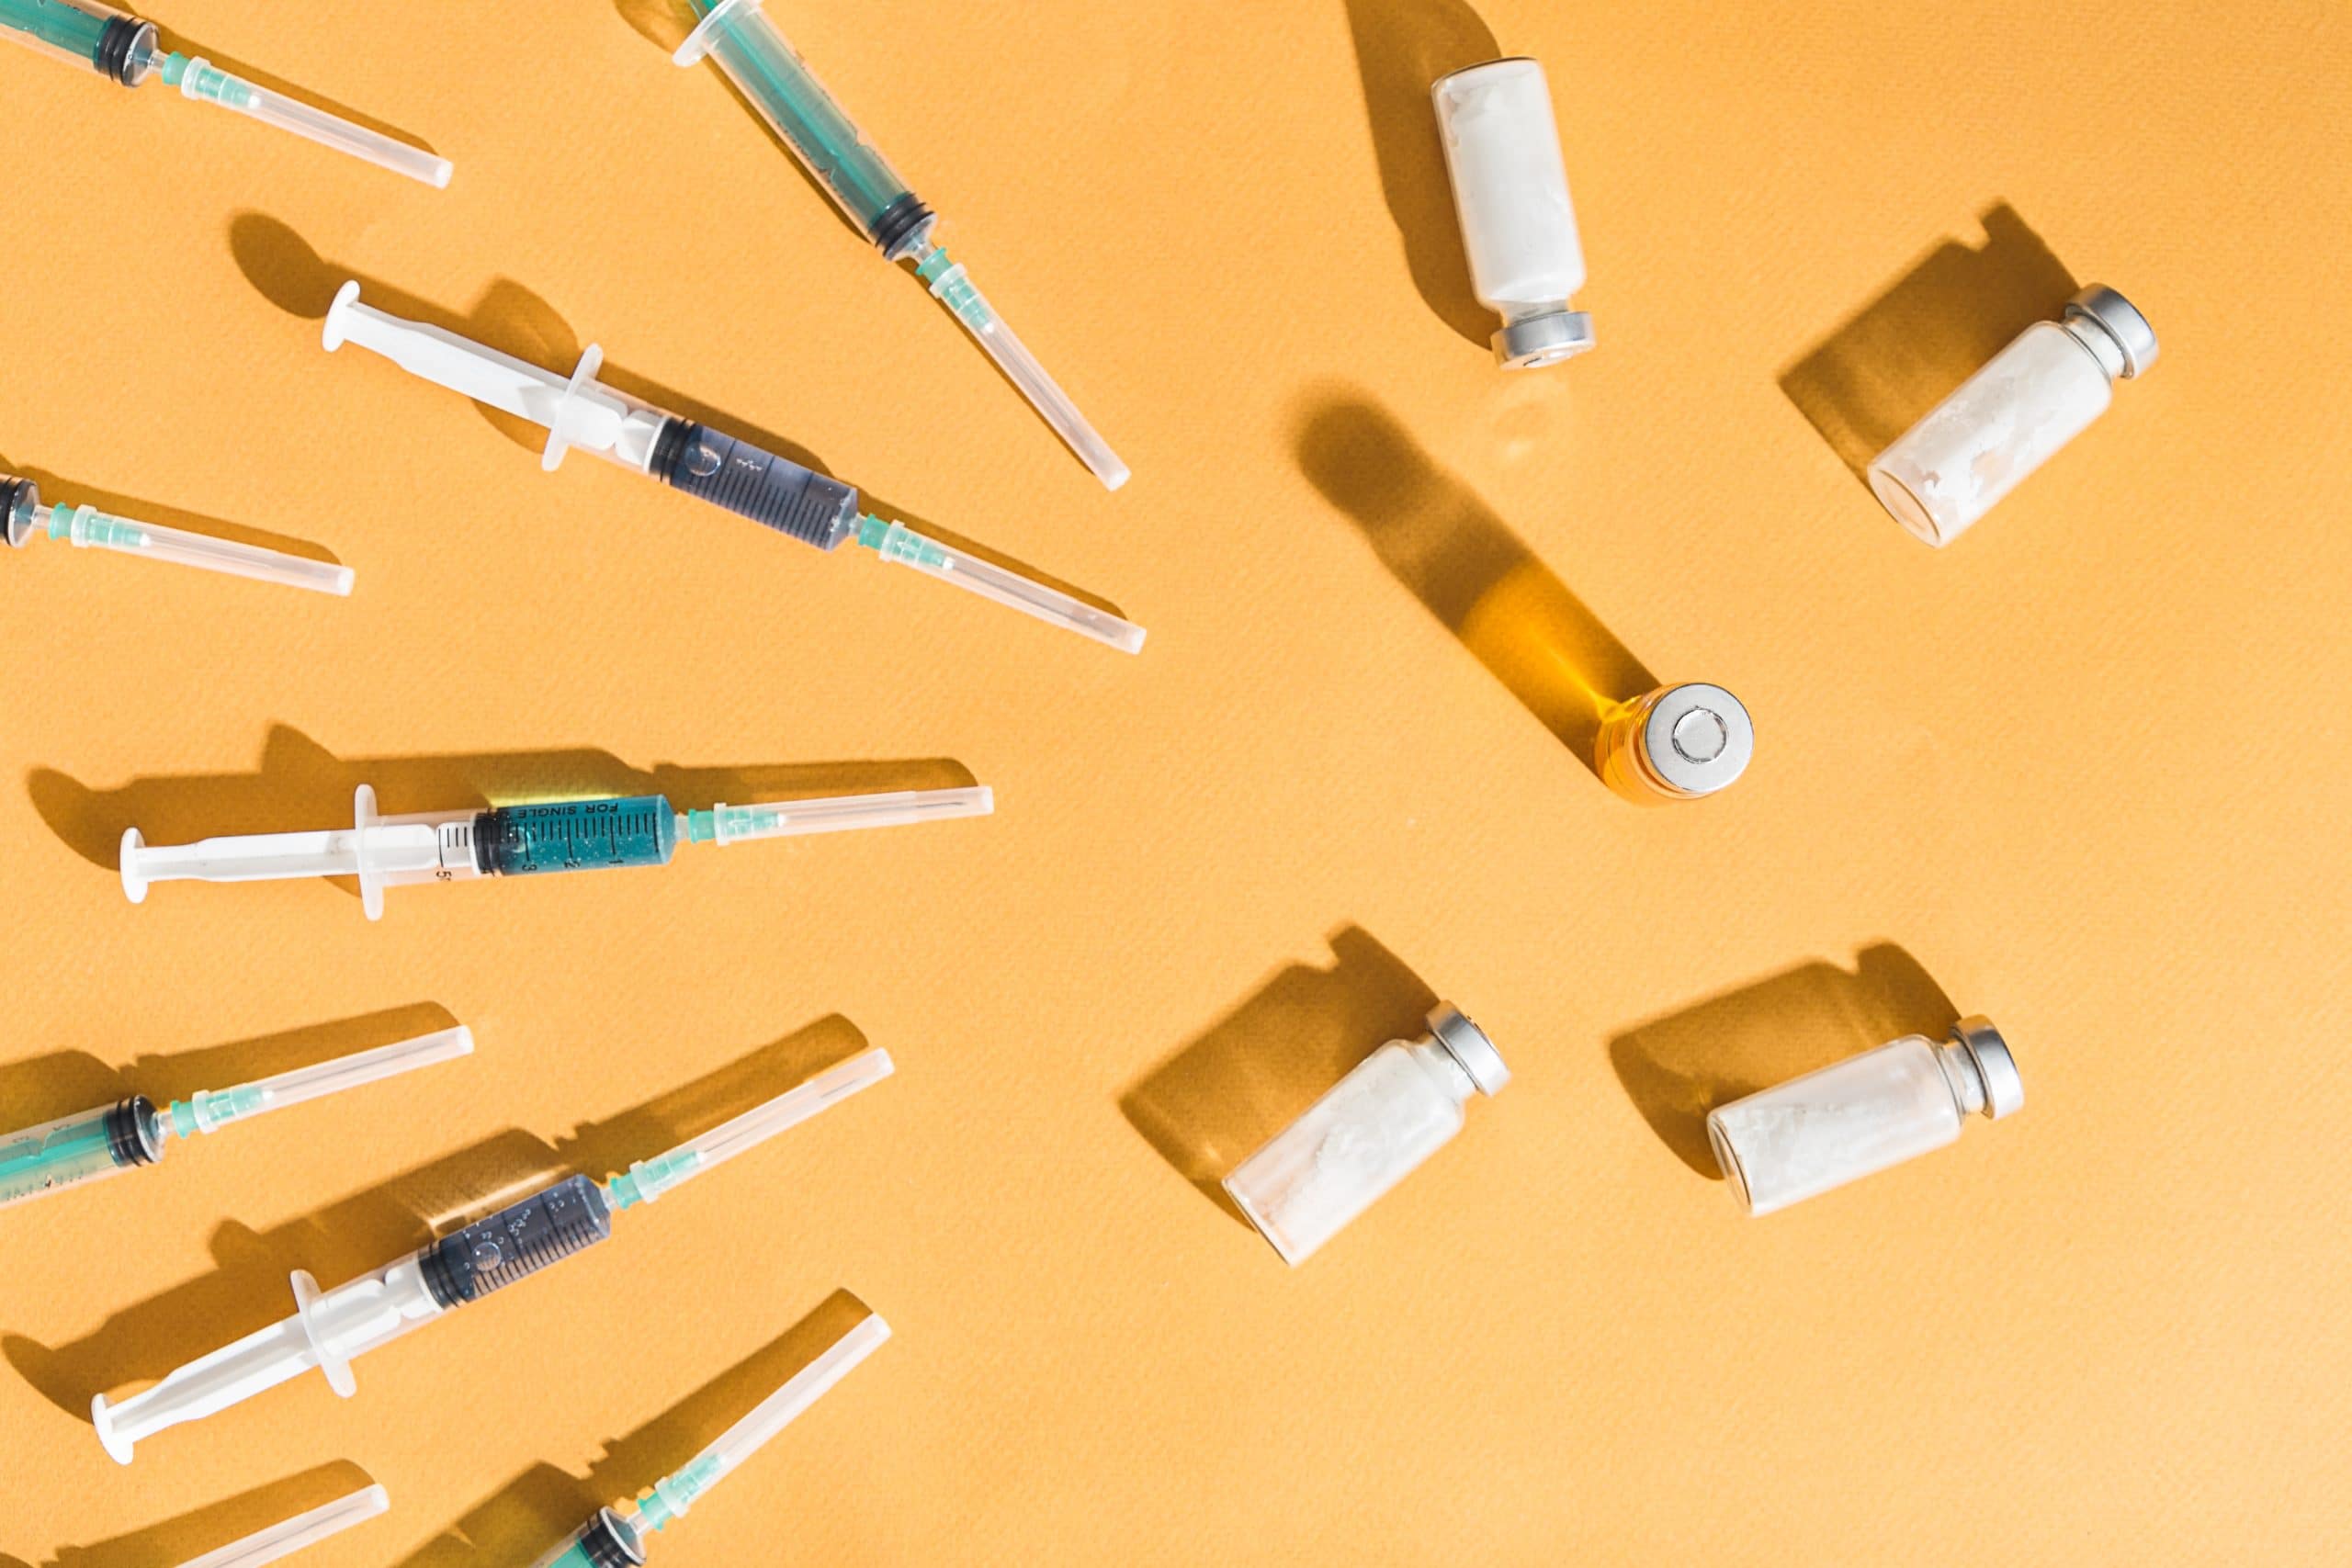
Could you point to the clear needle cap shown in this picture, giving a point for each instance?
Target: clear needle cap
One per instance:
(724, 824)
(674, 1494)
(289, 1536)
(89, 528)
(897, 542)
(649, 1179)
(207, 84)
(210, 1110)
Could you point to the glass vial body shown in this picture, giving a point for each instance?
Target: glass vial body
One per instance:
(1511, 193)
(79, 1148)
(1676, 743)
(1399, 1106)
(1864, 1115)
(2010, 417)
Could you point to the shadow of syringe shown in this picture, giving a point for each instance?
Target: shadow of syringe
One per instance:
(332, 1328)
(549, 1517)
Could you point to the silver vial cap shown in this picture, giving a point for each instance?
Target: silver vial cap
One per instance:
(1533, 342)
(1698, 739)
(2117, 317)
(1468, 1045)
(2004, 1089)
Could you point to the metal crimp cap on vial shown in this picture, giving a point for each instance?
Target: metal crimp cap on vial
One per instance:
(2120, 320)
(1468, 1045)
(2004, 1089)
(1532, 342)
(1699, 739)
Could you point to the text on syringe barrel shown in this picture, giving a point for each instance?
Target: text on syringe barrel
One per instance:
(576, 835)
(516, 1242)
(773, 491)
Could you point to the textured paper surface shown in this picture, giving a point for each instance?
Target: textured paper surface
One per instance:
(2086, 770)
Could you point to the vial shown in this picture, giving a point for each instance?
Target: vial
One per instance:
(1676, 743)
(1861, 1115)
(2006, 420)
(1511, 192)
(1399, 1106)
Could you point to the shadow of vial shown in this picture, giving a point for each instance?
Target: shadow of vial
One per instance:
(1219, 1099)
(1472, 573)
(1872, 378)
(1402, 48)
(1677, 1068)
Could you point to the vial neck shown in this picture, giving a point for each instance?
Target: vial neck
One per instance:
(1438, 1063)
(2096, 341)
(1962, 1077)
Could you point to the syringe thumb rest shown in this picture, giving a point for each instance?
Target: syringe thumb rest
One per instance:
(306, 1312)
(327, 1330)
(375, 851)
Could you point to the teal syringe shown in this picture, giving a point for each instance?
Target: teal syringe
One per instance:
(122, 48)
(616, 1537)
(129, 1133)
(789, 97)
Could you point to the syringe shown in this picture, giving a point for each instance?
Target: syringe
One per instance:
(517, 840)
(617, 1536)
(289, 1536)
(122, 48)
(789, 97)
(89, 528)
(775, 492)
(129, 1133)
(331, 1329)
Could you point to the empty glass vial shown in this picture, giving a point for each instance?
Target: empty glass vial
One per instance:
(1511, 192)
(1676, 743)
(1401, 1105)
(2004, 422)
(1863, 1115)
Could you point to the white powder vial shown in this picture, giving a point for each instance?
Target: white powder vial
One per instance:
(1511, 191)
(2006, 420)
(1861, 1115)
(1399, 1106)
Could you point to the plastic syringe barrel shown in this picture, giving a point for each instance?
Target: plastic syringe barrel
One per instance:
(773, 491)
(516, 1242)
(779, 85)
(608, 1541)
(116, 44)
(80, 1147)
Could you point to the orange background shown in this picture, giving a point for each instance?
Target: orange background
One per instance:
(2086, 770)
